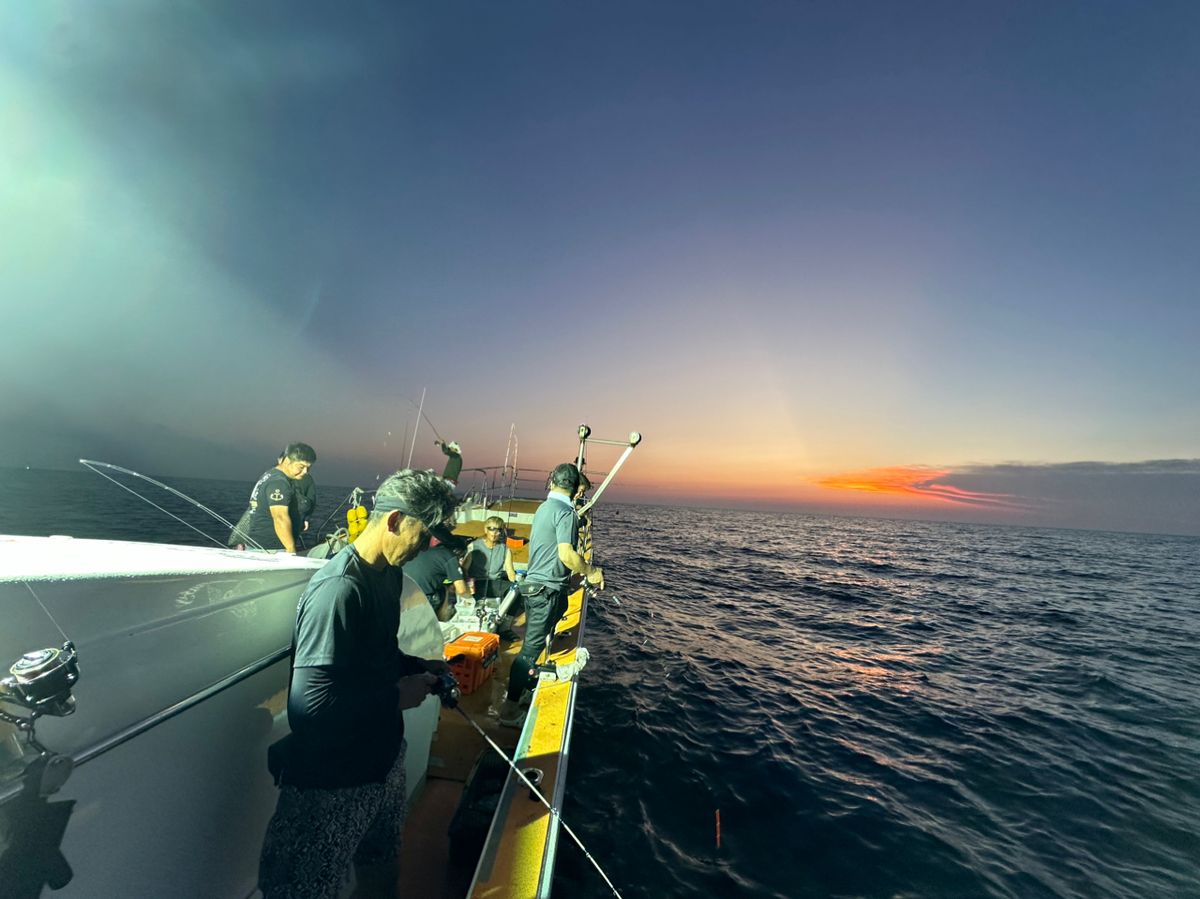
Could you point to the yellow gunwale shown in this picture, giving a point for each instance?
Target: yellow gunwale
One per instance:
(517, 861)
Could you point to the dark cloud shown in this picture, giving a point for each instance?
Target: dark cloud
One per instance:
(1160, 495)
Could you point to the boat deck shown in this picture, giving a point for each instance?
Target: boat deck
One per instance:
(434, 865)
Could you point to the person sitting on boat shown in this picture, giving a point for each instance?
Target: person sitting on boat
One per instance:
(272, 520)
(453, 460)
(552, 560)
(342, 795)
(490, 562)
(432, 570)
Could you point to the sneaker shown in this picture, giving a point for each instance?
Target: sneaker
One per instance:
(511, 714)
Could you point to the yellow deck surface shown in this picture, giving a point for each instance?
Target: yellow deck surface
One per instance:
(513, 868)
(425, 850)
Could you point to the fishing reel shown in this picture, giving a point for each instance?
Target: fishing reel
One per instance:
(446, 689)
(41, 682)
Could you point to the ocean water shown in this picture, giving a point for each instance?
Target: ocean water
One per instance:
(876, 708)
(885, 709)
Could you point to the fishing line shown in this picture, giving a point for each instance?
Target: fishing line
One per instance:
(88, 463)
(349, 498)
(538, 793)
(38, 599)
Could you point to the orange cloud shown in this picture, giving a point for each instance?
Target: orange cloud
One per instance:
(916, 481)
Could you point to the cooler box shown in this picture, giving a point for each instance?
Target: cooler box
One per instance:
(479, 652)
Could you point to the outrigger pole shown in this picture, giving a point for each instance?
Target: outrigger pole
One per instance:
(634, 439)
(426, 417)
(420, 411)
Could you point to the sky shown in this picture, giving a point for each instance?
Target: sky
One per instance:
(929, 260)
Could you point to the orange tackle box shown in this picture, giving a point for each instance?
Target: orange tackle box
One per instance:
(478, 653)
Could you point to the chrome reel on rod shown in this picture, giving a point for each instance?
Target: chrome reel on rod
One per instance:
(40, 682)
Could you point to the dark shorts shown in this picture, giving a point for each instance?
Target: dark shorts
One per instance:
(315, 834)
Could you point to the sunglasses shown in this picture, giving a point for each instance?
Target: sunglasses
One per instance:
(494, 530)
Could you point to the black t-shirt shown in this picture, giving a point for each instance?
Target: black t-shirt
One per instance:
(306, 501)
(342, 705)
(432, 568)
(274, 488)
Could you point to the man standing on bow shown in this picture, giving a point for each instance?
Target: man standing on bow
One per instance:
(273, 519)
(342, 771)
(552, 559)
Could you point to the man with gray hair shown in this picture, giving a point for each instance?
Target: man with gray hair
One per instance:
(341, 770)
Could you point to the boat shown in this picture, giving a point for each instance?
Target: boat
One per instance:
(146, 681)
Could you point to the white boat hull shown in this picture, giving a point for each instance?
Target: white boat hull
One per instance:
(170, 795)
(171, 810)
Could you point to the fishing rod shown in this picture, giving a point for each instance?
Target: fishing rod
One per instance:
(447, 691)
(421, 412)
(89, 463)
(40, 684)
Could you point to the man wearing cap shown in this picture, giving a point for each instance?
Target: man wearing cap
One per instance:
(552, 559)
(341, 771)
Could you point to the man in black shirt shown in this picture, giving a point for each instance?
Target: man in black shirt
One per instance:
(432, 569)
(342, 776)
(305, 495)
(272, 520)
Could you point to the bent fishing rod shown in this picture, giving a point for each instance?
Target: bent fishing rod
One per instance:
(90, 463)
